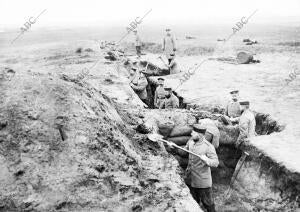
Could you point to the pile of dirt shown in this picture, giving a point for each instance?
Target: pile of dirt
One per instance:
(66, 146)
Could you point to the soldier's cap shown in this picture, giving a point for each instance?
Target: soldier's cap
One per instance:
(168, 89)
(168, 29)
(199, 128)
(160, 79)
(233, 92)
(172, 54)
(133, 68)
(245, 103)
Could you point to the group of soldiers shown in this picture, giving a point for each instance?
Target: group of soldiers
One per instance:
(168, 47)
(164, 97)
(198, 173)
(204, 138)
(239, 113)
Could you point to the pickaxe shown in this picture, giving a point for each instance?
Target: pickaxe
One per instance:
(235, 173)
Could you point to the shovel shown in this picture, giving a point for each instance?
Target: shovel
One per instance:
(157, 137)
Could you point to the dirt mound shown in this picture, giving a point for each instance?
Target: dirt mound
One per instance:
(64, 147)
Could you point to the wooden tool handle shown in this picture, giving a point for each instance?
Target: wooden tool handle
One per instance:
(183, 149)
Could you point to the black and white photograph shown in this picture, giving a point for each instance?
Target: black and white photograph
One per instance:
(150, 106)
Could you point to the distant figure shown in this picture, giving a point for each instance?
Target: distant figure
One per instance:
(160, 93)
(170, 101)
(138, 44)
(173, 66)
(247, 123)
(169, 46)
(232, 109)
(138, 83)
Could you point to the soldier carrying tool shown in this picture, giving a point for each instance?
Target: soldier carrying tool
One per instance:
(198, 173)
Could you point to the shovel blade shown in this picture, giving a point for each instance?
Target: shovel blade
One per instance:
(154, 136)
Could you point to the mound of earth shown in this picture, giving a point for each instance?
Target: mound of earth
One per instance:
(65, 146)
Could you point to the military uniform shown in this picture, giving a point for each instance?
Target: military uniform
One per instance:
(139, 86)
(232, 109)
(200, 173)
(169, 103)
(212, 133)
(247, 125)
(138, 44)
(159, 96)
(232, 113)
(169, 46)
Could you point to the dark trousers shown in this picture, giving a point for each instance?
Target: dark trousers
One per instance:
(204, 195)
(138, 50)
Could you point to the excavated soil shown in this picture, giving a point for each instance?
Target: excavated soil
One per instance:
(65, 146)
(72, 140)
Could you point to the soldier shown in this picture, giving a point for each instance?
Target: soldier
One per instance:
(170, 101)
(138, 44)
(169, 46)
(160, 93)
(173, 66)
(199, 168)
(139, 83)
(247, 123)
(212, 133)
(232, 110)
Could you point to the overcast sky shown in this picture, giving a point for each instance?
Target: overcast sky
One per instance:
(14, 13)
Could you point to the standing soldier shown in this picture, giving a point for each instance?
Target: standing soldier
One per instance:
(160, 93)
(199, 168)
(212, 134)
(247, 123)
(138, 44)
(232, 110)
(170, 101)
(169, 46)
(138, 84)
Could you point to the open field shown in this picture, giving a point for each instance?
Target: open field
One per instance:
(100, 115)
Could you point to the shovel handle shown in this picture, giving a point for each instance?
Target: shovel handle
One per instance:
(183, 149)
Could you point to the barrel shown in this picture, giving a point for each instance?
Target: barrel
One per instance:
(244, 58)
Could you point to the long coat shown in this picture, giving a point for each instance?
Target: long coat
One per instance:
(169, 45)
(200, 172)
(233, 109)
(247, 124)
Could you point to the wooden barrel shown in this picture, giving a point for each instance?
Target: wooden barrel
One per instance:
(244, 58)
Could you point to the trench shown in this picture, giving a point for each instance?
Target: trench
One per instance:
(229, 157)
